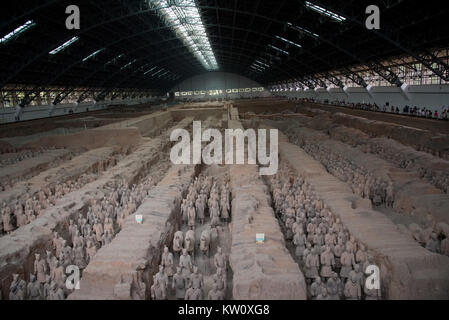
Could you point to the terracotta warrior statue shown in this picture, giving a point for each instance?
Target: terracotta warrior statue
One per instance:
(178, 242)
(191, 216)
(179, 284)
(157, 290)
(316, 288)
(361, 256)
(324, 295)
(6, 219)
(40, 269)
(57, 274)
(347, 261)
(167, 262)
(225, 206)
(215, 294)
(163, 279)
(327, 262)
(371, 294)
(220, 259)
(184, 209)
(138, 287)
(334, 285)
(196, 279)
(312, 264)
(433, 244)
(17, 290)
(21, 218)
(352, 288)
(220, 280)
(194, 294)
(56, 292)
(47, 288)
(199, 205)
(299, 240)
(34, 289)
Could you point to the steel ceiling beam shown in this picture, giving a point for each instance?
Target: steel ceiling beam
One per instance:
(402, 42)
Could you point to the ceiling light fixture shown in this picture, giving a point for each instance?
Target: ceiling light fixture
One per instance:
(279, 50)
(325, 12)
(289, 42)
(18, 31)
(64, 45)
(185, 21)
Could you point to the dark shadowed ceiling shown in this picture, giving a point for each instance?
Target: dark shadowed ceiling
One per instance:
(239, 31)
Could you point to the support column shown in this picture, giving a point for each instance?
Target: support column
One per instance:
(260, 270)
(15, 100)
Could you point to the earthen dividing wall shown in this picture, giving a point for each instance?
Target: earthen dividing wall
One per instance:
(418, 138)
(34, 165)
(431, 203)
(69, 170)
(151, 125)
(422, 163)
(408, 271)
(17, 249)
(425, 165)
(260, 271)
(199, 114)
(125, 138)
(264, 105)
(138, 246)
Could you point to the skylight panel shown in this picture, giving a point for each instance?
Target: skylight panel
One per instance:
(186, 22)
(141, 68)
(289, 42)
(157, 72)
(128, 64)
(261, 63)
(259, 68)
(18, 31)
(64, 45)
(279, 50)
(257, 64)
(113, 60)
(325, 12)
(148, 71)
(302, 30)
(163, 74)
(255, 67)
(92, 55)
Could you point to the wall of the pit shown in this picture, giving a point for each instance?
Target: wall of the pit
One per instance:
(433, 97)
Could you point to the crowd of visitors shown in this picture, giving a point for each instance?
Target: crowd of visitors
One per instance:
(415, 111)
(406, 110)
